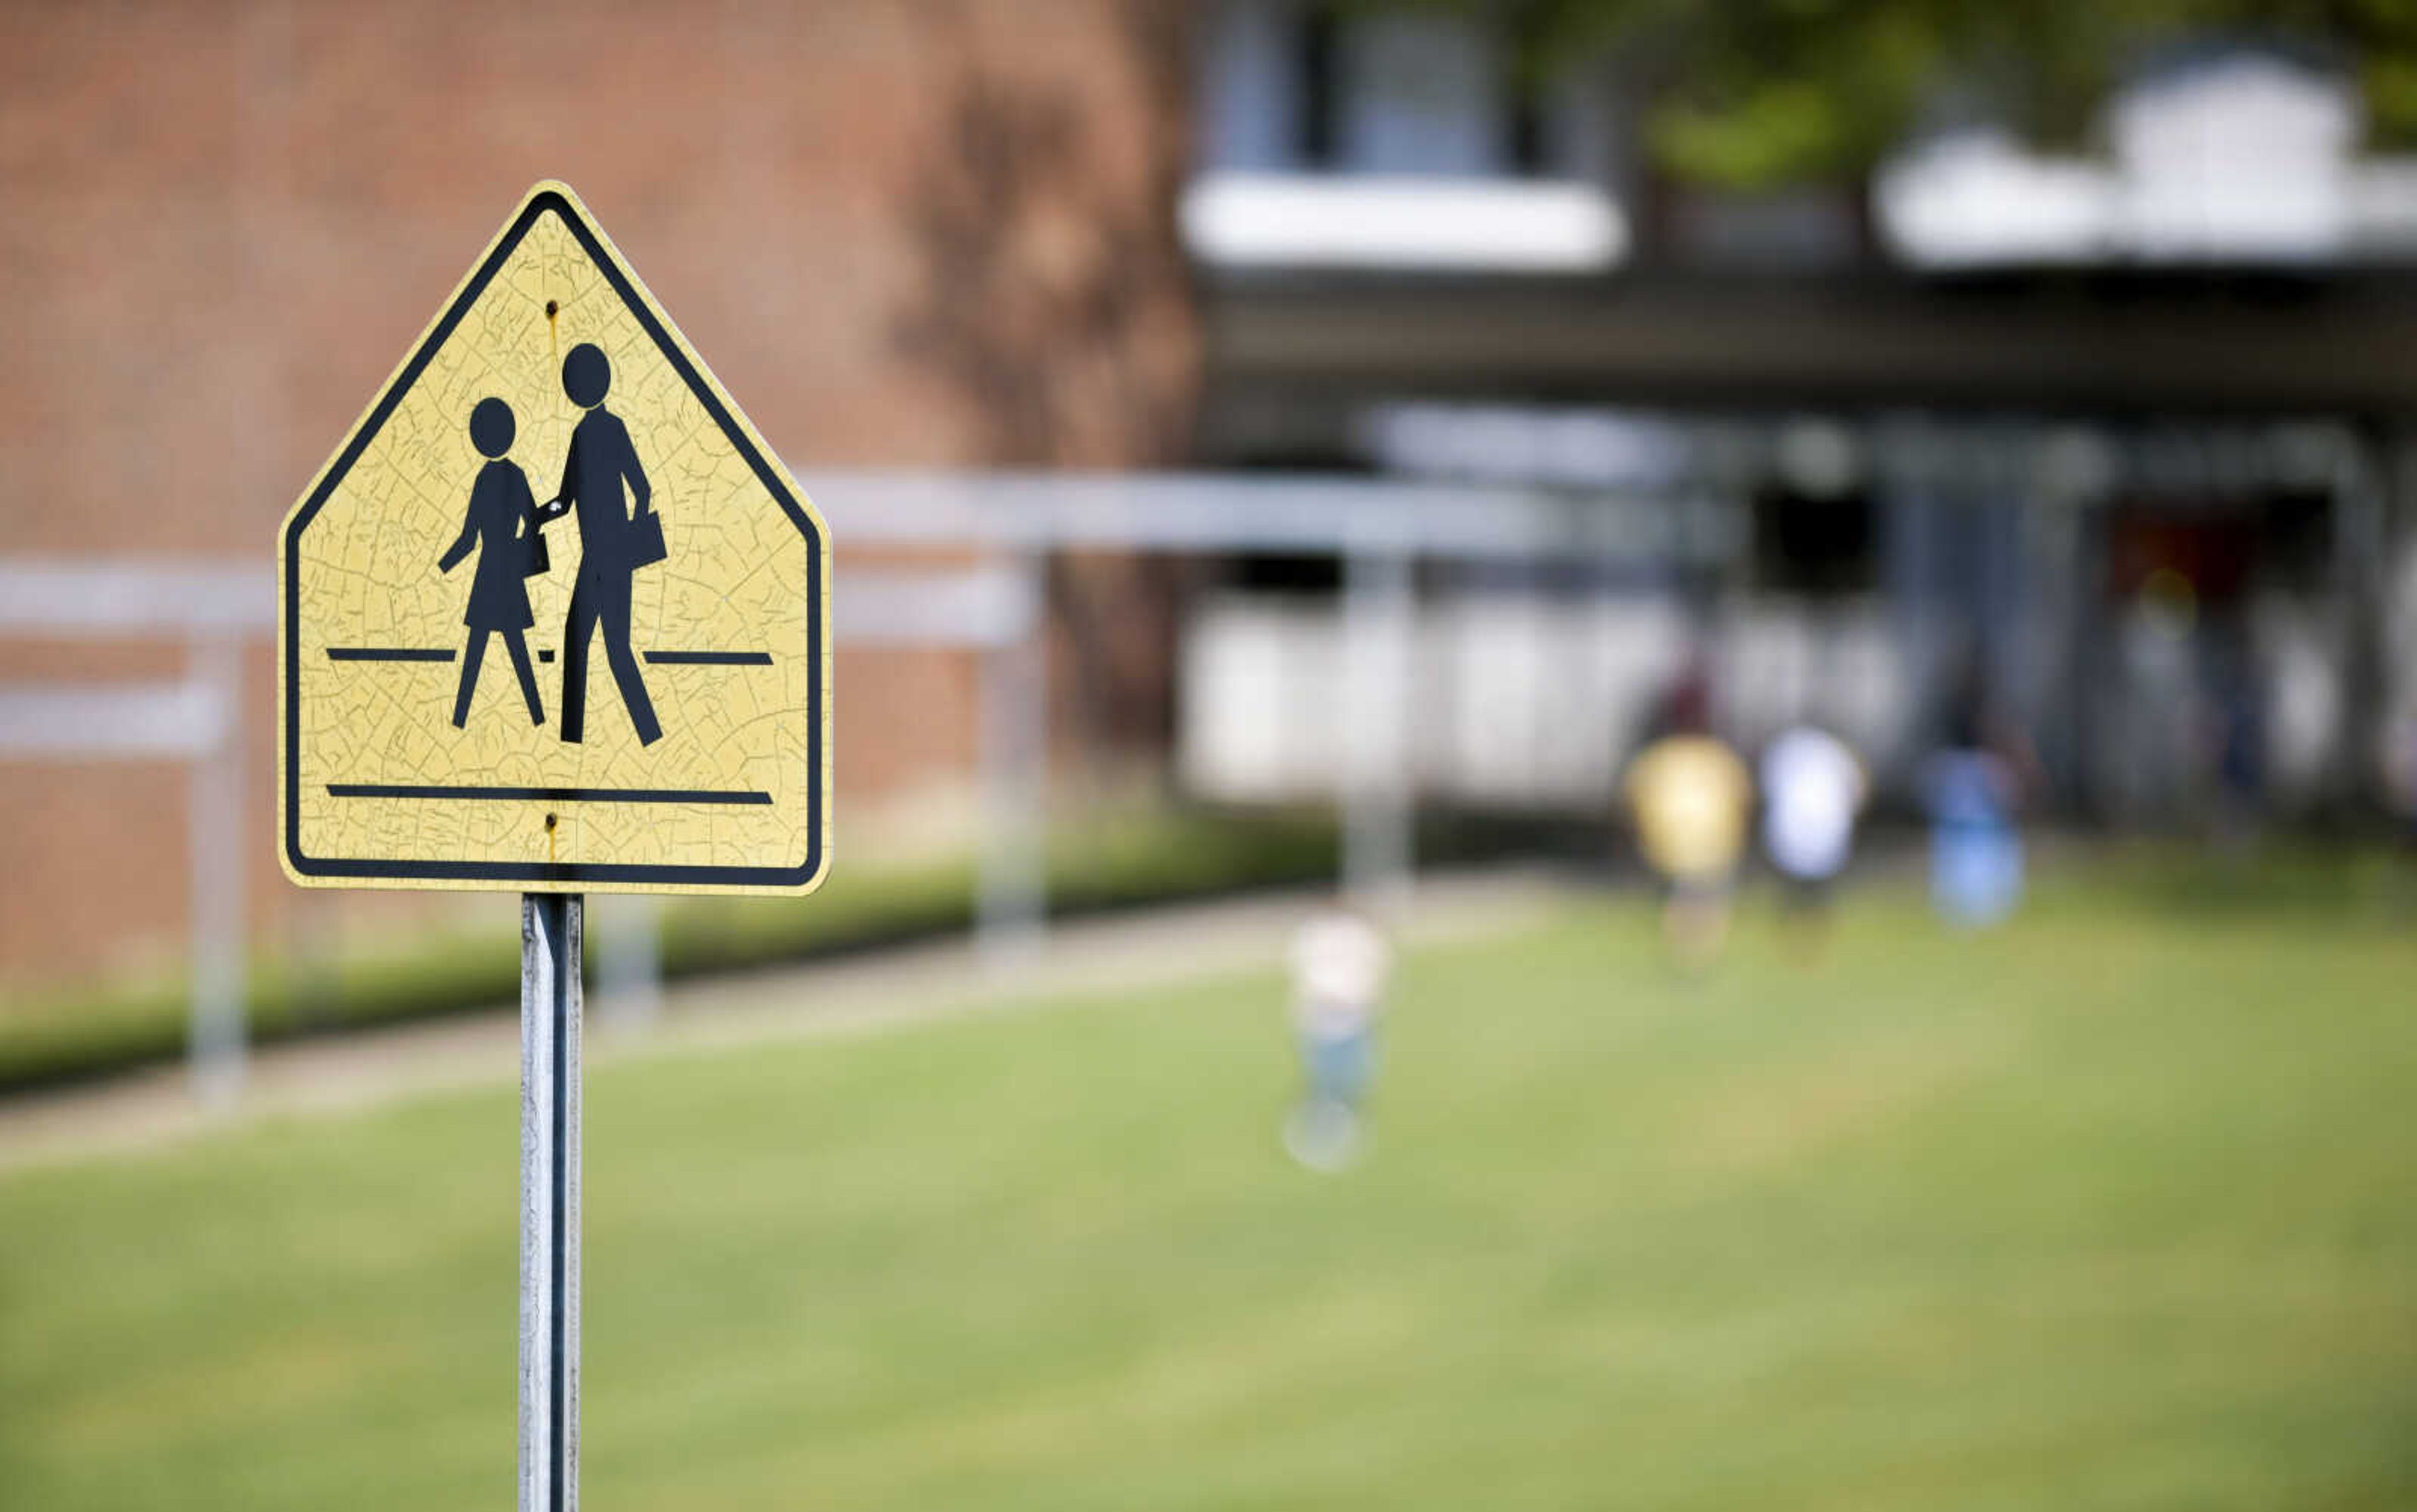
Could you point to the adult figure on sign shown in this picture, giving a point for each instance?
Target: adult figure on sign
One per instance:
(614, 542)
(502, 525)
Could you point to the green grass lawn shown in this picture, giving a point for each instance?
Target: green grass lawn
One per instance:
(2115, 1208)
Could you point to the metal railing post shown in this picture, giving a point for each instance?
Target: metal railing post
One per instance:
(1012, 902)
(217, 829)
(630, 963)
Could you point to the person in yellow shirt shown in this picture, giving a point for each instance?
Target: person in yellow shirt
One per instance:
(1690, 796)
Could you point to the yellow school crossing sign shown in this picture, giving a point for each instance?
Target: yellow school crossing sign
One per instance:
(554, 618)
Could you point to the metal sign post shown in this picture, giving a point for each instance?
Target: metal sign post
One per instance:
(550, 1011)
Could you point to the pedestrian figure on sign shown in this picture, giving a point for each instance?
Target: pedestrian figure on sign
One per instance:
(502, 525)
(614, 542)
(1339, 965)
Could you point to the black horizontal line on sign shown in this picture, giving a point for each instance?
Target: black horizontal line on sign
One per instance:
(546, 655)
(549, 795)
(710, 658)
(386, 654)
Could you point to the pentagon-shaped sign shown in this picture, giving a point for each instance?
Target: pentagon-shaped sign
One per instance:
(554, 618)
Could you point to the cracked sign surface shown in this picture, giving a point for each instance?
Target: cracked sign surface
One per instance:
(554, 618)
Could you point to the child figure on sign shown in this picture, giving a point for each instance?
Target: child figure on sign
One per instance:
(502, 525)
(1339, 965)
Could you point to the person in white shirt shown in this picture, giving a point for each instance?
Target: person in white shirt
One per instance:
(1812, 790)
(1340, 963)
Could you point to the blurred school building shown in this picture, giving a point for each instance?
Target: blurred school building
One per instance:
(2129, 435)
(2124, 438)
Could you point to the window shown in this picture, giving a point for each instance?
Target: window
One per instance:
(1820, 546)
(1294, 86)
(1338, 136)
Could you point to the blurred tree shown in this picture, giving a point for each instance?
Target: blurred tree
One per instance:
(1749, 94)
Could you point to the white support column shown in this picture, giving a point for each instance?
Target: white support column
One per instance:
(1377, 625)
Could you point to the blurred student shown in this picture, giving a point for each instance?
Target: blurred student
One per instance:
(1340, 963)
(1973, 785)
(1812, 790)
(1689, 795)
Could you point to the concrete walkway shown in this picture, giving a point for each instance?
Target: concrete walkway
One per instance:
(855, 994)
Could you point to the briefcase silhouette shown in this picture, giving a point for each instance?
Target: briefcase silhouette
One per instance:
(646, 538)
(536, 563)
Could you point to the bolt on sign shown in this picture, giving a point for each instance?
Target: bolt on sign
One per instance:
(554, 618)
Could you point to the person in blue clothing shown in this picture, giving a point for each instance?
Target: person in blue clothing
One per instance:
(614, 542)
(502, 526)
(1973, 786)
